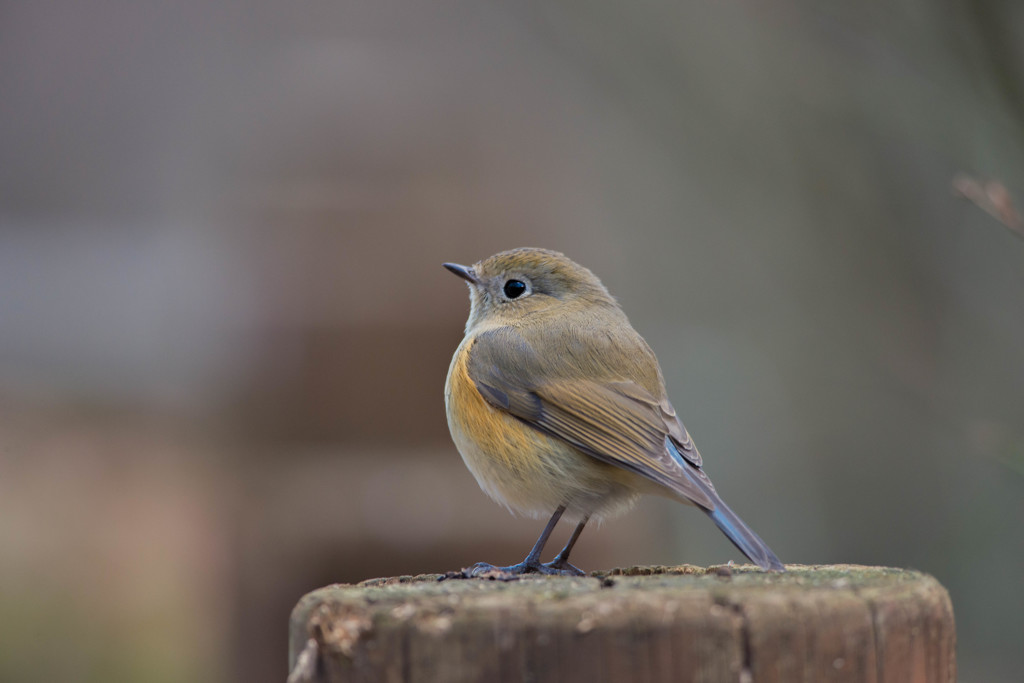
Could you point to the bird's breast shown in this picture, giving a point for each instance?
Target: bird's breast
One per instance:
(518, 466)
(500, 451)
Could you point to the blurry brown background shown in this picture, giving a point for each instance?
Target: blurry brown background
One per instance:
(224, 327)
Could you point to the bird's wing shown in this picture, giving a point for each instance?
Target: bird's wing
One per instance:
(610, 418)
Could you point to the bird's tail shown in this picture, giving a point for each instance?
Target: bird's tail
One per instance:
(742, 536)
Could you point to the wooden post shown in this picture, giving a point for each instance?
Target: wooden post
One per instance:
(820, 624)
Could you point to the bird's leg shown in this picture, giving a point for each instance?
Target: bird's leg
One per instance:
(532, 561)
(561, 562)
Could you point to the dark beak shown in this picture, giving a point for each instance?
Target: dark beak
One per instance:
(464, 272)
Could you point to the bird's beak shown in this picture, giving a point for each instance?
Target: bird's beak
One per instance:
(465, 272)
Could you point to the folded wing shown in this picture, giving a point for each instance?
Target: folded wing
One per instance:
(617, 420)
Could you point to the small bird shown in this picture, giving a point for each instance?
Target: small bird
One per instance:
(558, 406)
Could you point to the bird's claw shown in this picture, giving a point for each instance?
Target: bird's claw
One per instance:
(563, 568)
(483, 570)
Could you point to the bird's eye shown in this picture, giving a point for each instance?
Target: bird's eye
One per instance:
(514, 288)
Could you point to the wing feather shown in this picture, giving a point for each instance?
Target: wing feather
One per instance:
(608, 416)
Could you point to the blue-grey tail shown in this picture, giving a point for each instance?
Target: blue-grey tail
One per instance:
(742, 536)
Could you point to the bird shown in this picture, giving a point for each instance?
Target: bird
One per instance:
(558, 407)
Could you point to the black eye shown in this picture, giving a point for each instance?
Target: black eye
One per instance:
(514, 288)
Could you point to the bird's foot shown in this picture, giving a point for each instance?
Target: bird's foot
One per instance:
(483, 570)
(562, 567)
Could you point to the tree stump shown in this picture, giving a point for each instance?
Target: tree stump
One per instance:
(819, 624)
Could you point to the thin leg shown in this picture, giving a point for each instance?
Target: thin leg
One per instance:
(532, 561)
(561, 561)
(538, 547)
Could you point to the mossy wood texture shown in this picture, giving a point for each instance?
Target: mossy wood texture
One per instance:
(823, 624)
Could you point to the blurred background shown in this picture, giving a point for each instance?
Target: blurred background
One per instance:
(224, 326)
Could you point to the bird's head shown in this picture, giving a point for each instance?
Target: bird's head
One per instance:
(519, 284)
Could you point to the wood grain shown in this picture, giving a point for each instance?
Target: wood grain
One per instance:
(816, 624)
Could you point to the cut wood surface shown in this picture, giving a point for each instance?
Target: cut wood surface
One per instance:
(816, 624)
